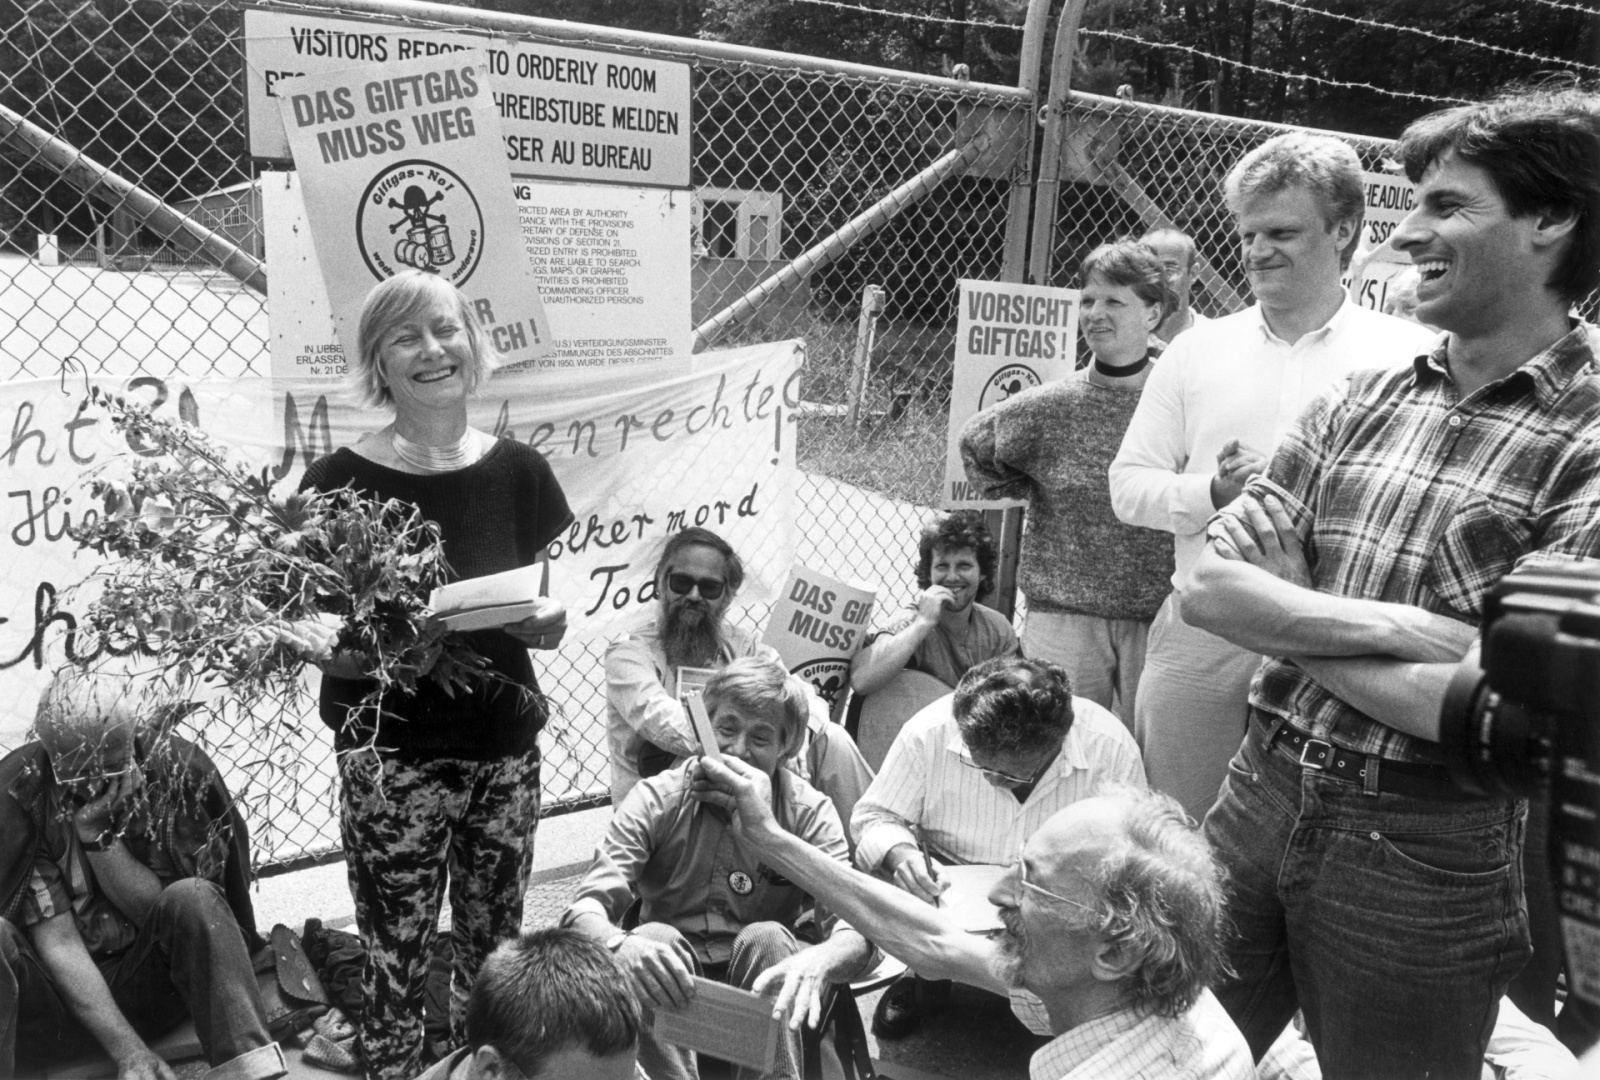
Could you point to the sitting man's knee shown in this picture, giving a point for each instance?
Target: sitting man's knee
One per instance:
(194, 901)
(662, 932)
(763, 944)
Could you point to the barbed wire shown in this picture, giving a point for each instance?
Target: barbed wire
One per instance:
(1320, 80)
(1449, 39)
(1560, 6)
(911, 15)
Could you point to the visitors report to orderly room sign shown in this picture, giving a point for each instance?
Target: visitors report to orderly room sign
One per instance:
(566, 114)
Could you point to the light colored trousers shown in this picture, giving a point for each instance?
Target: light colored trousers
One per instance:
(1102, 657)
(1193, 708)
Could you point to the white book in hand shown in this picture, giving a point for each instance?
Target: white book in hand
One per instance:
(490, 601)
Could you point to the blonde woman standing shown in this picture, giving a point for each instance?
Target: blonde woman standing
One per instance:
(448, 789)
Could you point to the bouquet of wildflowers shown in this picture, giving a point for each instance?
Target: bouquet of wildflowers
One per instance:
(223, 582)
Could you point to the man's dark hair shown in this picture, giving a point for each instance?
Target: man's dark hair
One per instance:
(1012, 705)
(959, 529)
(1131, 264)
(548, 991)
(1541, 149)
(695, 536)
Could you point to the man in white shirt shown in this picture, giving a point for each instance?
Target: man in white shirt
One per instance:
(1178, 254)
(1113, 915)
(1218, 402)
(974, 775)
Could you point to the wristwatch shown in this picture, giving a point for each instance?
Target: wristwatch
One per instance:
(99, 843)
(614, 942)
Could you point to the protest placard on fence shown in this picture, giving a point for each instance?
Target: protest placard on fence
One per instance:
(401, 169)
(566, 113)
(641, 452)
(1009, 338)
(1389, 198)
(817, 625)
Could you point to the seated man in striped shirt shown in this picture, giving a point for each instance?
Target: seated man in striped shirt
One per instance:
(974, 775)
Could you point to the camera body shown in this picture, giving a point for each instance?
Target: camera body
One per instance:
(1531, 717)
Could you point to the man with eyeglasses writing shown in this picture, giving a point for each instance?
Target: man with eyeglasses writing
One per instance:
(974, 775)
(1113, 916)
(647, 727)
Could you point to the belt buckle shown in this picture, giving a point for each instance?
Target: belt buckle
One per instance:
(1327, 752)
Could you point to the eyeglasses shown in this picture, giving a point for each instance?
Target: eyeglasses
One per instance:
(1006, 778)
(1022, 878)
(684, 584)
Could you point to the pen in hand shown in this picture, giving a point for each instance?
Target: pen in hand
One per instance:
(927, 864)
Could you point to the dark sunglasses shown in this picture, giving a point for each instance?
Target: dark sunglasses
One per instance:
(684, 584)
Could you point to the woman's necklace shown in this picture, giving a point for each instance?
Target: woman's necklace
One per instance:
(458, 455)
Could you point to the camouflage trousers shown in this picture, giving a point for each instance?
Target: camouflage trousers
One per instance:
(406, 825)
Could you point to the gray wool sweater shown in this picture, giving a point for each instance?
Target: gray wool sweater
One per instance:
(1053, 446)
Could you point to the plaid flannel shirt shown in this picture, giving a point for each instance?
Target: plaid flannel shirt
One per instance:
(1405, 492)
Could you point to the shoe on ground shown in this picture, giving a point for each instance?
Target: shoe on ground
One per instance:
(897, 1014)
(933, 995)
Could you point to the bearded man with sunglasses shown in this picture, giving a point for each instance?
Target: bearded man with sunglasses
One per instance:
(125, 892)
(647, 727)
(974, 775)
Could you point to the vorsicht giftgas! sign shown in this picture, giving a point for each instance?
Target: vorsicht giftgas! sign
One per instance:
(1009, 338)
(565, 113)
(401, 170)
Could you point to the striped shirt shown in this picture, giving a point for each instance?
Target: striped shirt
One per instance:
(1202, 1044)
(929, 782)
(1407, 493)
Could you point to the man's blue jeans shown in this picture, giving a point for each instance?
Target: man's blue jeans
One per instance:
(1394, 922)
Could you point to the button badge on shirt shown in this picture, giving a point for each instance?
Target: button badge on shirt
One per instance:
(740, 882)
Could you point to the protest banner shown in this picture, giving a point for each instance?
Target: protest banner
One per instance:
(401, 170)
(612, 265)
(566, 113)
(817, 625)
(641, 452)
(1009, 338)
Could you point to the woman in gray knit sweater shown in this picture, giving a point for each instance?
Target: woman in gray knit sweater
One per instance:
(1093, 584)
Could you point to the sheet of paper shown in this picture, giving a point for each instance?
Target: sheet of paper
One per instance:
(702, 726)
(734, 1025)
(491, 590)
(482, 618)
(967, 899)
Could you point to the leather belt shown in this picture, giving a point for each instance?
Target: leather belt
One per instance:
(1416, 779)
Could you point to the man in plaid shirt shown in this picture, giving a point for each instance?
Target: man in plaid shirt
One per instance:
(1365, 889)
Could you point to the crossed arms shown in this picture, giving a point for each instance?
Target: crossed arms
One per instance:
(1252, 586)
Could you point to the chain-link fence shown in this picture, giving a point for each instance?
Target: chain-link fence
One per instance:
(865, 178)
(105, 97)
(1128, 168)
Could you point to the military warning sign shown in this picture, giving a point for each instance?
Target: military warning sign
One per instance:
(565, 113)
(1009, 338)
(401, 171)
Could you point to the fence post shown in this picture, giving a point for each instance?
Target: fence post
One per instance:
(1006, 525)
(872, 302)
(1057, 124)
